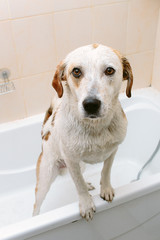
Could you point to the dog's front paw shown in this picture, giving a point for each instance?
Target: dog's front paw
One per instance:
(107, 193)
(87, 207)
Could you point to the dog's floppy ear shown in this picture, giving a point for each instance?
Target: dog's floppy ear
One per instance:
(127, 75)
(58, 77)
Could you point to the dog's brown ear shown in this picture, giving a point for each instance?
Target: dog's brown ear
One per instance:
(127, 75)
(58, 77)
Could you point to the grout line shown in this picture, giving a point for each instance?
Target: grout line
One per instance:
(15, 50)
(153, 64)
(155, 47)
(127, 27)
(35, 74)
(72, 9)
(9, 10)
(55, 37)
(17, 62)
(140, 52)
(24, 101)
(13, 41)
(26, 17)
(32, 16)
(92, 24)
(63, 11)
(110, 3)
(44, 14)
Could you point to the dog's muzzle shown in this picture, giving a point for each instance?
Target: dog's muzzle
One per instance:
(92, 107)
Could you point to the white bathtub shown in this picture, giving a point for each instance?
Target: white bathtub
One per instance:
(135, 210)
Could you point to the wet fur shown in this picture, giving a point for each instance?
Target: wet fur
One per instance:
(69, 137)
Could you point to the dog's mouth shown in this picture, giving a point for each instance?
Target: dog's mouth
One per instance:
(92, 116)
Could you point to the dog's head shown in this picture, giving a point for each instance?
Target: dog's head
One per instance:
(93, 76)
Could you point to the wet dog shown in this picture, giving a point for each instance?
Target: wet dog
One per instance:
(85, 122)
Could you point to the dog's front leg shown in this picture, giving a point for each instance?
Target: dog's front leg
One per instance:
(107, 192)
(86, 204)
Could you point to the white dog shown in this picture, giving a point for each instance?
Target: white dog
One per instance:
(85, 122)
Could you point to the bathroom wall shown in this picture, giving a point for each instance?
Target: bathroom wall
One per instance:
(36, 34)
(156, 64)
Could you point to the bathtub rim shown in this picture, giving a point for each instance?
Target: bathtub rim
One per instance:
(50, 220)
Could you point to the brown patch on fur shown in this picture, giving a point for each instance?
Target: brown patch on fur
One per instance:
(48, 114)
(95, 45)
(57, 85)
(37, 170)
(127, 75)
(127, 72)
(54, 115)
(58, 77)
(46, 136)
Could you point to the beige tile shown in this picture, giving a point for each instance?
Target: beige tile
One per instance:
(142, 24)
(109, 25)
(156, 79)
(34, 44)
(12, 104)
(61, 5)
(156, 64)
(38, 92)
(101, 2)
(23, 8)
(4, 13)
(142, 65)
(7, 49)
(73, 29)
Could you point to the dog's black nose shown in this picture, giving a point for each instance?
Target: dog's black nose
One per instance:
(91, 105)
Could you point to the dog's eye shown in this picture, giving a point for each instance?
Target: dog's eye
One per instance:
(76, 72)
(109, 71)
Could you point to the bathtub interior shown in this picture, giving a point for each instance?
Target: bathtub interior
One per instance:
(21, 144)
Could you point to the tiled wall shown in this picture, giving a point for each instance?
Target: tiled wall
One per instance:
(156, 64)
(36, 34)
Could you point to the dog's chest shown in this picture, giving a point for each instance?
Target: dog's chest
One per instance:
(90, 148)
(96, 156)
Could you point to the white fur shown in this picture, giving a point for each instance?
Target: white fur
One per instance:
(74, 137)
